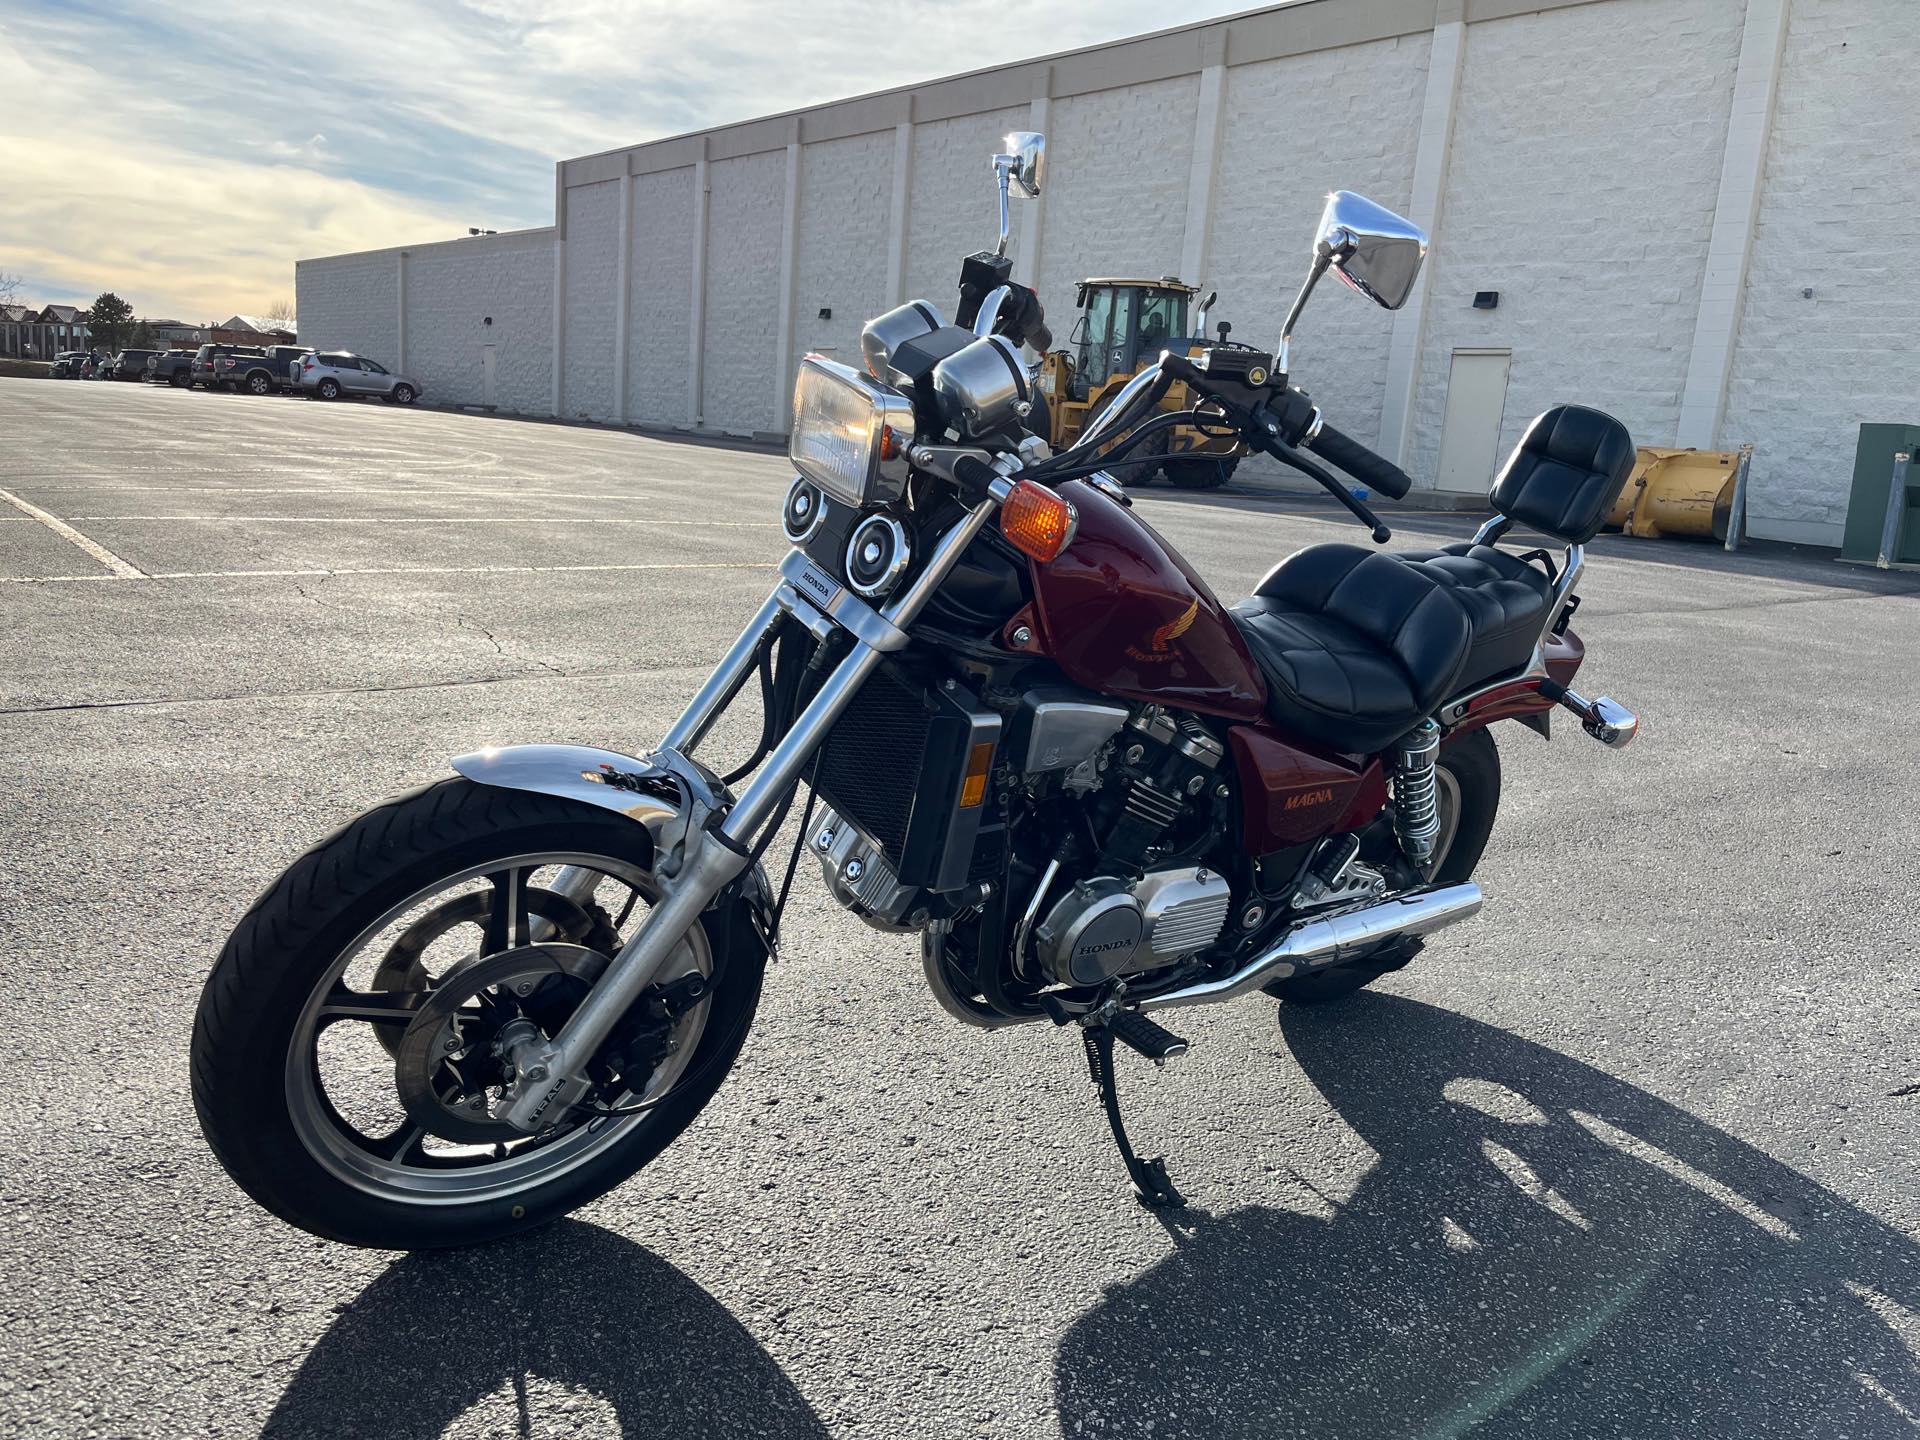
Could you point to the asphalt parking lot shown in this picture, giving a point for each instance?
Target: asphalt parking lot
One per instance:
(1637, 1154)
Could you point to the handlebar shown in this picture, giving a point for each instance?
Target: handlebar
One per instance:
(1288, 455)
(1358, 461)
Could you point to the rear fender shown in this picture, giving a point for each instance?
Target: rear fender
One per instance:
(667, 799)
(1520, 698)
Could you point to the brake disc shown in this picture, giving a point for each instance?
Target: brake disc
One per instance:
(449, 1062)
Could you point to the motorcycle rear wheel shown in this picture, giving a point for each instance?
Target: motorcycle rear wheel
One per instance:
(282, 1103)
(1469, 792)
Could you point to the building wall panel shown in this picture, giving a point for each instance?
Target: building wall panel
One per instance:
(453, 291)
(351, 302)
(1584, 169)
(846, 202)
(1268, 198)
(951, 210)
(745, 206)
(1840, 216)
(593, 259)
(660, 298)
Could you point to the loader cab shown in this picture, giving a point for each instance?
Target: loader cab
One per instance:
(1123, 325)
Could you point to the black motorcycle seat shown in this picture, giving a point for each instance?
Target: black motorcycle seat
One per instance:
(1506, 600)
(1356, 646)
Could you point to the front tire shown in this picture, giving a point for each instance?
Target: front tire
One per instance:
(289, 1130)
(258, 384)
(403, 395)
(1469, 783)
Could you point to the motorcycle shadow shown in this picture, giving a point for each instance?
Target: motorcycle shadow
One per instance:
(570, 1330)
(1539, 1250)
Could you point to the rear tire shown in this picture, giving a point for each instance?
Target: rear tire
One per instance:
(1200, 472)
(1470, 769)
(250, 1065)
(329, 389)
(1142, 473)
(259, 383)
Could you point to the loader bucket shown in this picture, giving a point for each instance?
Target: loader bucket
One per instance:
(1677, 492)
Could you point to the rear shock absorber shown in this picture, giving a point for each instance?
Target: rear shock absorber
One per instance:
(1416, 804)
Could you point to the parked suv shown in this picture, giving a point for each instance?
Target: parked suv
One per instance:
(66, 365)
(171, 367)
(129, 364)
(333, 373)
(213, 365)
(277, 369)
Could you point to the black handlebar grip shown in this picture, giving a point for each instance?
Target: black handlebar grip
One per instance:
(1360, 462)
(1039, 337)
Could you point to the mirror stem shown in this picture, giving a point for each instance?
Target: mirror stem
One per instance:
(1283, 356)
(1003, 172)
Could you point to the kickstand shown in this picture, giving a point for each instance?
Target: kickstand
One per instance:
(1151, 1187)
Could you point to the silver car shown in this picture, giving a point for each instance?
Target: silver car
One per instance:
(330, 374)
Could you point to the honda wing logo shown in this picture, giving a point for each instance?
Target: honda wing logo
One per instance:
(1161, 641)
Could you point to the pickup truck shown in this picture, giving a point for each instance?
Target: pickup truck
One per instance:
(171, 367)
(278, 368)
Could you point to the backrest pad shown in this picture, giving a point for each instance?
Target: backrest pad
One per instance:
(1566, 472)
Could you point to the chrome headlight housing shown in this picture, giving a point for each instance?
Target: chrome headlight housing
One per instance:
(850, 433)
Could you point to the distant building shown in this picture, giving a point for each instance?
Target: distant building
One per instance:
(30, 334)
(15, 321)
(251, 330)
(178, 335)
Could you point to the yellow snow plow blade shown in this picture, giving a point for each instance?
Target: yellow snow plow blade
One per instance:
(1677, 492)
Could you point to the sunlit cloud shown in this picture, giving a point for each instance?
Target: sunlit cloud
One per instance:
(218, 144)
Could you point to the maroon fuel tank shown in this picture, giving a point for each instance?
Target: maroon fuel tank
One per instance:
(1120, 612)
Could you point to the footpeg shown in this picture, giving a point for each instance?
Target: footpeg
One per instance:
(1146, 1037)
(1605, 719)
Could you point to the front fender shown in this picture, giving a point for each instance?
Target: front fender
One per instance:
(646, 792)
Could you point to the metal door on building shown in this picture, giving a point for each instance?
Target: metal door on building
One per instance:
(1470, 435)
(487, 363)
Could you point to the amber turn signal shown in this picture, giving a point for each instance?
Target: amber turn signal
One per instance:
(1037, 521)
(973, 789)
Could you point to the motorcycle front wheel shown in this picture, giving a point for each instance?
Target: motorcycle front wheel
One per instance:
(350, 1047)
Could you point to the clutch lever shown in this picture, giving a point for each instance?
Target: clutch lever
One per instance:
(1288, 455)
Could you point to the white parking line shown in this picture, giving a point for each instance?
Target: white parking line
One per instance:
(450, 520)
(379, 570)
(66, 532)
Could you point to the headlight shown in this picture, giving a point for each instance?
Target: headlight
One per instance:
(850, 434)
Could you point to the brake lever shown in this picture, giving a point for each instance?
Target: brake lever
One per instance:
(1287, 455)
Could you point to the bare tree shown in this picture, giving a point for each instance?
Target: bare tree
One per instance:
(280, 313)
(9, 288)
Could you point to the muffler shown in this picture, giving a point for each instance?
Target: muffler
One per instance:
(1319, 943)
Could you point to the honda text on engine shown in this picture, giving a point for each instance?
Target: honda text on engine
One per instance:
(1028, 734)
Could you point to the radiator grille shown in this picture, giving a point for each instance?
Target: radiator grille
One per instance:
(871, 762)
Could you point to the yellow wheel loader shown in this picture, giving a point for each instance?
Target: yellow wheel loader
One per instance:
(1121, 328)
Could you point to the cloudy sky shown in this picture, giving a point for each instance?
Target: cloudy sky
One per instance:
(185, 155)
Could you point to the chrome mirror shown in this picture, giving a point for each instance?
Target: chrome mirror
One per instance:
(1374, 250)
(1028, 150)
(1022, 167)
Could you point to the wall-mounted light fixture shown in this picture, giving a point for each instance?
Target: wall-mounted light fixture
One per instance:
(1486, 299)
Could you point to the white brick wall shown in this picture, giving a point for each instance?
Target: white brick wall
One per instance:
(846, 200)
(951, 211)
(593, 254)
(743, 290)
(1270, 191)
(351, 302)
(1580, 182)
(1585, 163)
(453, 290)
(1840, 215)
(1108, 213)
(660, 298)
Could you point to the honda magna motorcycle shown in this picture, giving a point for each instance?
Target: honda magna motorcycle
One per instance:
(1027, 732)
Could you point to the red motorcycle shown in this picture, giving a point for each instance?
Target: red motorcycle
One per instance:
(1027, 730)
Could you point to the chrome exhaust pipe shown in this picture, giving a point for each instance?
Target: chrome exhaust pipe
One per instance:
(1319, 943)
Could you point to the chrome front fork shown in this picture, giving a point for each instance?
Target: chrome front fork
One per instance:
(549, 1079)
